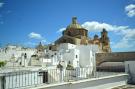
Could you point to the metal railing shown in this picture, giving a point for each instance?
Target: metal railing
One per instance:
(25, 79)
(21, 79)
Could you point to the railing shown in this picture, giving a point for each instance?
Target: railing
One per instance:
(25, 79)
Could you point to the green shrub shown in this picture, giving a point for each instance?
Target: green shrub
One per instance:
(69, 66)
(2, 63)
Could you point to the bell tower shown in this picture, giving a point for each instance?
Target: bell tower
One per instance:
(105, 41)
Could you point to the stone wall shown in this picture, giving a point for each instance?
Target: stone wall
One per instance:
(114, 57)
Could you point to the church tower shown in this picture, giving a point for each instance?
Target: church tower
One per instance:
(105, 42)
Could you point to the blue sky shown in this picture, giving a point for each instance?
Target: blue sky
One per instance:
(28, 22)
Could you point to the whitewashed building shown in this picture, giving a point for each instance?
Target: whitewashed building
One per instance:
(16, 55)
(78, 55)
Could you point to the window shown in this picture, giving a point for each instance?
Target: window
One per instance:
(76, 56)
(50, 48)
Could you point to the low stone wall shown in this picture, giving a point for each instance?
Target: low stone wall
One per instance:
(114, 57)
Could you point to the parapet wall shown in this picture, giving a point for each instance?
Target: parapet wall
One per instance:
(114, 57)
(107, 82)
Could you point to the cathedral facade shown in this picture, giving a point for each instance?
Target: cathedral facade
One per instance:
(76, 34)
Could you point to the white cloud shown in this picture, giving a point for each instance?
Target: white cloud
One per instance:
(61, 30)
(97, 26)
(127, 41)
(1, 4)
(123, 44)
(130, 7)
(35, 35)
(128, 34)
(130, 10)
(43, 41)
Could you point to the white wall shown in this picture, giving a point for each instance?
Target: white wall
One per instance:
(130, 69)
(87, 57)
(71, 56)
(17, 53)
(66, 46)
(68, 52)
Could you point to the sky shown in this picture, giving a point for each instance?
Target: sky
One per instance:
(28, 22)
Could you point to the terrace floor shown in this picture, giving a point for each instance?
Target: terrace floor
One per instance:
(125, 87)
